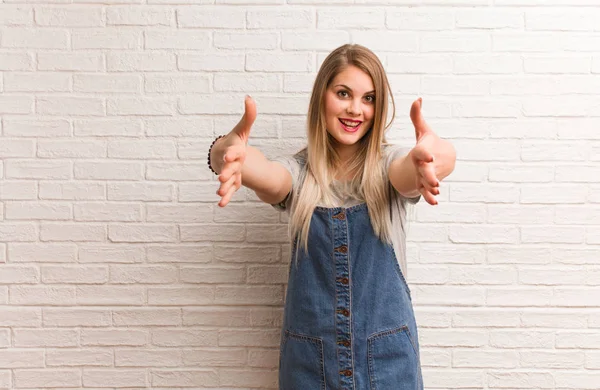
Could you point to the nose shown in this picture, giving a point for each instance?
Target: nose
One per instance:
(354, 107)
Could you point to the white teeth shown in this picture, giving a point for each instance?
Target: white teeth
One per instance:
(351, 124)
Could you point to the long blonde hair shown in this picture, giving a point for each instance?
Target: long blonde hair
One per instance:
(323, 162)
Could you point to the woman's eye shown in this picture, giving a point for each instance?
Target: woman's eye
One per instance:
(342, 93)
(370, 99)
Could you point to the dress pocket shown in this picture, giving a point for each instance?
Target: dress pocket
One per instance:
(301, 362)
(393, 361)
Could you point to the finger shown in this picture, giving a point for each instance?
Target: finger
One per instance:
(419, 154)
(428, 196)
(421, 126)
(245, 124)
(225, 200)
(427, 172)
(234, 152)
(229, 170)
(225, 186)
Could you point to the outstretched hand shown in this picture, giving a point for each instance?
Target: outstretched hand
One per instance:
(422, 156)
(235, 154)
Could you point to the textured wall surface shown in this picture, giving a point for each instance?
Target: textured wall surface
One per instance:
(118, 270)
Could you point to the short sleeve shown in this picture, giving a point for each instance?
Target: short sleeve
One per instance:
(392, 152)
(293, 166)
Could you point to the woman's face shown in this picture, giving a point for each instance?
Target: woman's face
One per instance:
(349, 107)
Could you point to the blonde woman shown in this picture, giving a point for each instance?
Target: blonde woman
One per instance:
(348, 318)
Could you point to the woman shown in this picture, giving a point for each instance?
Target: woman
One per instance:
(348, 318)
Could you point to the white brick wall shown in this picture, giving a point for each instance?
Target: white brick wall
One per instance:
(118, 270)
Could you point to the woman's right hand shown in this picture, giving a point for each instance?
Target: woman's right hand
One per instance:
(234, 154)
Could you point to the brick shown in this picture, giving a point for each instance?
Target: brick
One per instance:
(176, 39)
(242, 82)
(16, 61)
(41, 128)
(279, 62)
(140, 61)
(146, 191)
(214, 275)
(265, 379)
(180, 254)
(519, 296)
(521, 339)
(544, 380)
(75, 106)
(79, 190)
(21, 358)
(79, 357)
(264, 358)
(212, 232)
(176, 171)
(186, 337)
(230, 357)
(21, 317)
(16, 16)
(251, 295)
(38, 169)
(111, 254)
(45, 338)
(107, 83)
(142, 233)
(297, 18)
(212, 17)
(229, 40)
(18, 232)
(32, 82)
(16, 104)
(140, 106)
(47, 378)
(71, 149)
(111, 295)
(211, 62)
(80, 61)
(72, 16)
(181, 295)
(313, 40)
(74, 274)
(114, 378)
(19, 275)
(488, 359)
(148, 358)
(72, 232)
(185, 378)
(29, 38)
(176, 83)
(146, 317)
(39, 253)
(16, 148)
(107, 38)
(178, 127)
(107, 170)
(249, 338)
(147, 150)
(16, 190)
(143, 274)
(127, 15)
(73, 317)
(114, 337)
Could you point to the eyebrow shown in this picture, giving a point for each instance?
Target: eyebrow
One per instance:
(347, 87)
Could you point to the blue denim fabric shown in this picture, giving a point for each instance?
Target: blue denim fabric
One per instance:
(348, 318)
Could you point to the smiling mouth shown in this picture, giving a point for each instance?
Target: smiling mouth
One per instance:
(350, 126)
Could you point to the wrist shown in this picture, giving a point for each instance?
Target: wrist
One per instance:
(215, 155)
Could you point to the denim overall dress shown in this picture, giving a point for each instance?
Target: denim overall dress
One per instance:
(348, 319)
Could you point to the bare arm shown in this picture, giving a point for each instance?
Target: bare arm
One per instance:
(239, 164)
(271, 181)
(404, 175)
(430, 161)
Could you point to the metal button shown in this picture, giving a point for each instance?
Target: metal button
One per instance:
(342, 249)
(343, 312)
(343, 280)
(345, 343)
(341, 216)
(346, 372)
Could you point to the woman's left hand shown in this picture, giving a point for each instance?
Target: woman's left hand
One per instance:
(422, 156)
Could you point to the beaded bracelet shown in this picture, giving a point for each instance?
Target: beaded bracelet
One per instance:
(209, 149)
